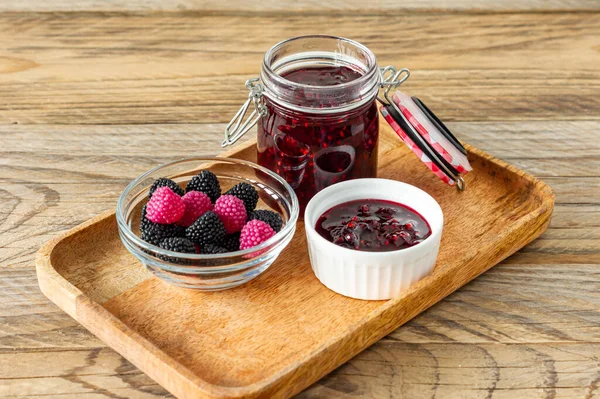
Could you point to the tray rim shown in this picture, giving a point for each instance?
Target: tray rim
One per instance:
(71, 299)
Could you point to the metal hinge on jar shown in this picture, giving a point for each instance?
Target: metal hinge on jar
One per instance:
(390, 78)
(237, 127)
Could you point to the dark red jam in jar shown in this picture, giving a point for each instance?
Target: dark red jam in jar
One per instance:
(322, 75)
(373, 225)
(321, 125)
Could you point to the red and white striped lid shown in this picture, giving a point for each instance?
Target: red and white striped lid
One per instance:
(428, 138)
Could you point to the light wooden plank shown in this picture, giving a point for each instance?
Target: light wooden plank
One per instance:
(121, 147)
(94, 68)
(404, 370)
(98, 371)
(288, 6)
(390, 369)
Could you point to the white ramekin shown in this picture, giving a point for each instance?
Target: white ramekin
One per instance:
(372, 275)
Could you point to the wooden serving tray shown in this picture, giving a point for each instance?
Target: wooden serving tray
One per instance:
(279, 333)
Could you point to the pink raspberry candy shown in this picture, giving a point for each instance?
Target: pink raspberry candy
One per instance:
(254, 233)
(196, 204)
(165, 207)
(232, 212)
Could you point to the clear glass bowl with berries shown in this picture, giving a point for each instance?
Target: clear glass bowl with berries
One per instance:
(207, 223)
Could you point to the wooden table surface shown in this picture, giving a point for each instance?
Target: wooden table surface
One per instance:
(92, 93)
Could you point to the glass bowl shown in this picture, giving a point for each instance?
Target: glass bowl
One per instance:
(209, 272)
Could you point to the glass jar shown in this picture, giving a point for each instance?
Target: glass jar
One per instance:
(315, 106)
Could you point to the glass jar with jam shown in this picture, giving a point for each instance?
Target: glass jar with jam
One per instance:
(316, 113)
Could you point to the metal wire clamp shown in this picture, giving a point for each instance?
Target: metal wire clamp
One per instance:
(391, 78)
(237, 127)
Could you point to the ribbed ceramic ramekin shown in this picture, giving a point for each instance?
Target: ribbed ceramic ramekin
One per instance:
(372, 275)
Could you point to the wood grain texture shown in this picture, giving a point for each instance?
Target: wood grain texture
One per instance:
(97, 68)
(286, 6)
(539, 308)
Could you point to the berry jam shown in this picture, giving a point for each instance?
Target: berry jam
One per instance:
(373, 226)
(312, 151)
(323, 76)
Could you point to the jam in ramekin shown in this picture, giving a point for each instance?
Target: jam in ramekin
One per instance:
(373, 225)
